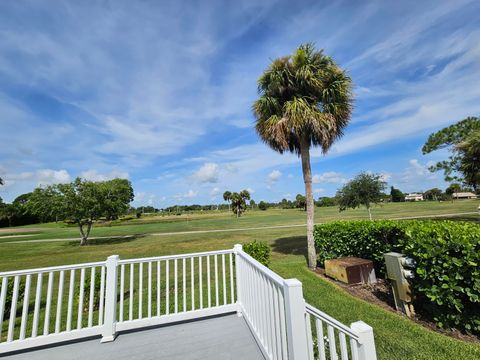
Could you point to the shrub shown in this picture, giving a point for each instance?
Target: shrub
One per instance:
(262, 205)
(447, 282)
(365, 239)
(259, 250)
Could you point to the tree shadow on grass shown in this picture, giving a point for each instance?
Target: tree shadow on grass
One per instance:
(107, 240)
(293, 245)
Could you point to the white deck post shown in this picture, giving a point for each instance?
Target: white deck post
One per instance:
(366, 343)
(295, 319)
(237, 248)
(108, 332)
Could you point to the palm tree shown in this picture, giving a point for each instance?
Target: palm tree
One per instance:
(239, 204)
(227, 196)
(305, 100)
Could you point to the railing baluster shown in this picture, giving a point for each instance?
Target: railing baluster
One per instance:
(167, 288)
(13, 309)
(267, 314)
(175, 264)
(122, 291)
(192, 280)
(209, 303)
(308, 329)
(3, 297)
(353, 349)
(200, 280)
(130, 302)
(283, 325)
(158, 288)
(271, 306)
(140, 290)
(216, 279)
(36, 309)
(149, 289)
(276, 321)
(184, 284)
(224, 281)
(320, 339)
(70, 300)
(102, 296)
(80, 299)
(343, 346)
(58, 317)
(91, 297)
(46, 325)
(232, 293)
(331, 343)
(26, 300)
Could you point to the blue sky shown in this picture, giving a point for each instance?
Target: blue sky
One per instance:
(161, 92)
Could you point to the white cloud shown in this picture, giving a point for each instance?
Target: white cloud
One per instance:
(39, 177)
(214, 193)
(274, 176)
(330, 177)
(385, 176)
(208, 173)
(187, 195)
(318, 191)
(94, 175)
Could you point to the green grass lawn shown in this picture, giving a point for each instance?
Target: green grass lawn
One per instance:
(225, 220)
(396, 337)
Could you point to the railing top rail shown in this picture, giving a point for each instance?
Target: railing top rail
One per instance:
(331, 321)
(266, 271)
(51, 269)
(172, 257)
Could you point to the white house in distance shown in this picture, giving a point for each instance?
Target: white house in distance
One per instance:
(414, 197)
(464, 195)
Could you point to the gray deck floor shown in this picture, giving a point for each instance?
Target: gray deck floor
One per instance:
(226, 338)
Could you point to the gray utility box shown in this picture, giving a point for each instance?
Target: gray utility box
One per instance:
(399, 270)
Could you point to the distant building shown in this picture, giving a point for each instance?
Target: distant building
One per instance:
(464, 195)
(414, 197)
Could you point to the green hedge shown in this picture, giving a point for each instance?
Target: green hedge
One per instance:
(447, 281)
(259, 250)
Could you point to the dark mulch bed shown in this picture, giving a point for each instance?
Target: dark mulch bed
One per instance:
(381, 295)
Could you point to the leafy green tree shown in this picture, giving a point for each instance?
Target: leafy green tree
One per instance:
(305, 100)
(46, 203)
(469, 159)
(252, 203)
(239, 204)
(117, 193)
(301, 202)
(8, 212)
(326, 201)
(365, 189)
(396, 195)
(453, 188)
(463, 141)
(82, 201)
(262, 205)
(433, 194)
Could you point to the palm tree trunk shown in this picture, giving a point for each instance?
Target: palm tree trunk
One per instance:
(369, 213)
(307, 178)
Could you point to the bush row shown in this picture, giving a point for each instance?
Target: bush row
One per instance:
(447, 281)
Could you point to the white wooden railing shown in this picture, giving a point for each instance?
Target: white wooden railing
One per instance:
(56, 304)
(355, 342)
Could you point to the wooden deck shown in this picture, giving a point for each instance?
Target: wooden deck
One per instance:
(225, 337)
